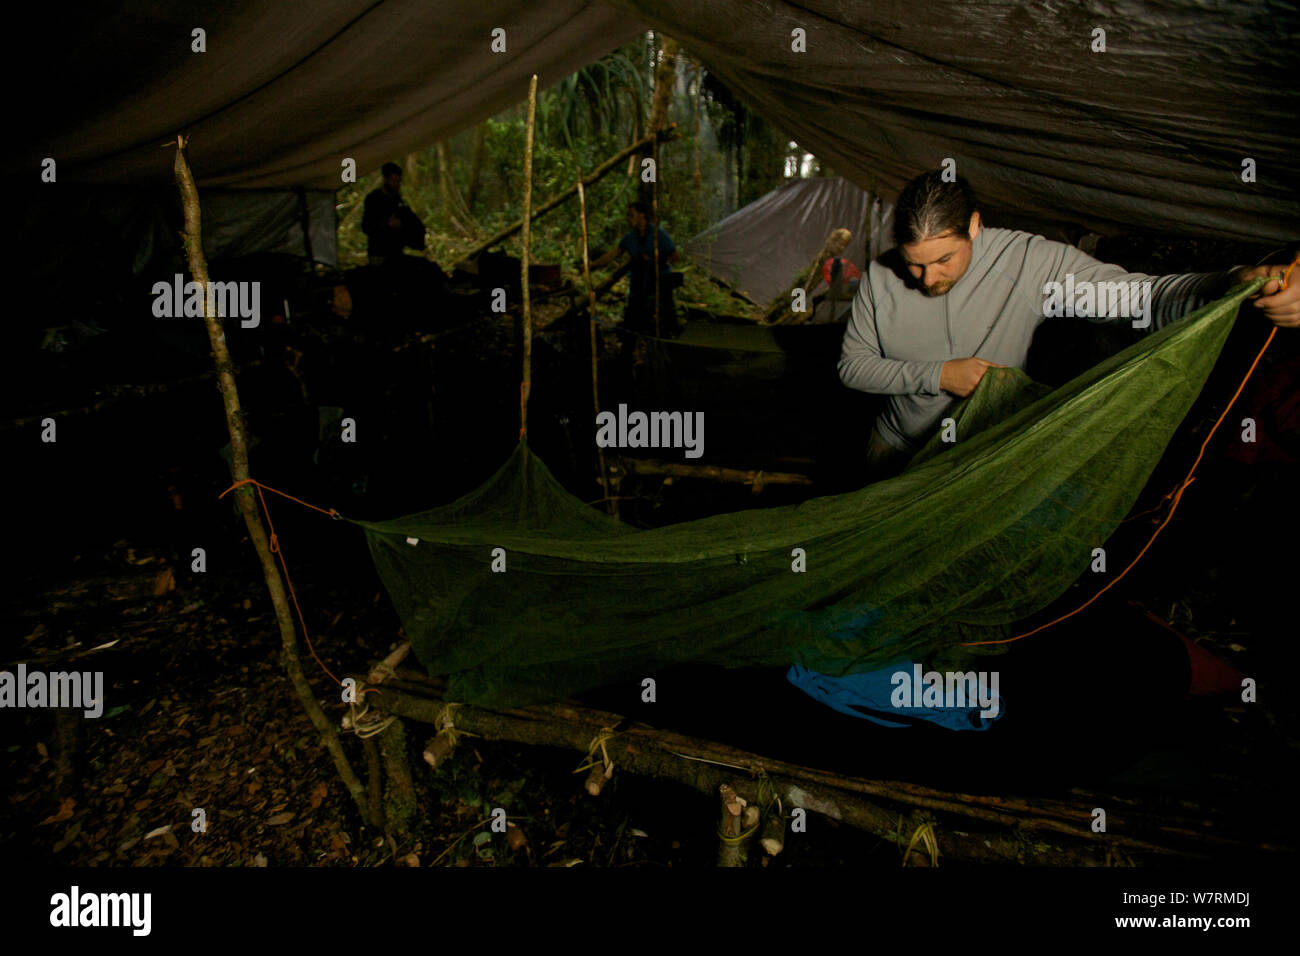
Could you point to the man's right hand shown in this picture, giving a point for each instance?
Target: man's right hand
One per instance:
(960, 376)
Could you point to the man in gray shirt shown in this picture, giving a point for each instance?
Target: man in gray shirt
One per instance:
(954, 298)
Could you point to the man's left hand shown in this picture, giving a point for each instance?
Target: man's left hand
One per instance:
(1280, 306)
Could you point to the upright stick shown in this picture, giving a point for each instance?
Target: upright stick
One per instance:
(654, 210)
(610, 504)
(526, 385)
(245, 495)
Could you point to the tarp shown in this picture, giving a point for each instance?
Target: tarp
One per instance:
(522, 593)
(112, 235)
(1151, 133)
(758, 250)
(285, 92)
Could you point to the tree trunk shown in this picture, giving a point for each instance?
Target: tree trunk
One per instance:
(665, 82)
(244, 494)
(453, 207)
(476, 164)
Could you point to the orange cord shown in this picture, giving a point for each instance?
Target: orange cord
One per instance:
(1176, 494)
(275, 548)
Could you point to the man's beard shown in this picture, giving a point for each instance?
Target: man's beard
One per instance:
(936, 290)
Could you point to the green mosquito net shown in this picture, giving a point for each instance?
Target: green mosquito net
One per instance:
(521, 593)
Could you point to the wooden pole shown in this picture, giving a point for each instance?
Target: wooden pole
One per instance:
(773, 836)
(557, 199)
(654, 213)
(526, 239)
(654, 466)
(984, 828)
(610, 503)
(244, 494)
(729, 851)
(665, 79)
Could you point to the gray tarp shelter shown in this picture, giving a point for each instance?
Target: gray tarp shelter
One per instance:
(1151, 133)
(758, 250)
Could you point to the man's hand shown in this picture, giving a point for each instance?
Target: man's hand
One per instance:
(394, 222)
(960, 376)
(1282, 308)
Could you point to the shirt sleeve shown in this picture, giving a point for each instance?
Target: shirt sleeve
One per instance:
(666, 246)
(1128, 297)
(628, 244)
(862, 366)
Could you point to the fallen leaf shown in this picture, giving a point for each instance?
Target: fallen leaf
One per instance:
(68, 837)
(66, 806)
(280, 818)
(259, 860)
(318, 794)
(158, 831)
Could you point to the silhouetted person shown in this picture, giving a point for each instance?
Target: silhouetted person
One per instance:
(389, 224)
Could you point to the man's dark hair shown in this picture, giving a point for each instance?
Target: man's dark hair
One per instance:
(389, 168)
(929, 207)
(642, 207)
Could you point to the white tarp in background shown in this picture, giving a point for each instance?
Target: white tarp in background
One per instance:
(760, 249)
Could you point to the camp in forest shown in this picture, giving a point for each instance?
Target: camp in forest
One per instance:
(568, 434)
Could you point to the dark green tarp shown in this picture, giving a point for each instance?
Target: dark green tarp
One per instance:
(973, 537)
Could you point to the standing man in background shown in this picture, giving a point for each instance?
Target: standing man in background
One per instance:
(389, 224)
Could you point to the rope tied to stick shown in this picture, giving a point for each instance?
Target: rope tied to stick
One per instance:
(448, 728)
(274, 544)
(767, 795)
(598, 743)
(732, 841)
(366, 724)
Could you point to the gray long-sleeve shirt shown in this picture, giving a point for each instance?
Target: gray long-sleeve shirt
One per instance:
(898, 338)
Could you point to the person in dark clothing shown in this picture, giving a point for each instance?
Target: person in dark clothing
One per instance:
(639, 243)
(389, 224)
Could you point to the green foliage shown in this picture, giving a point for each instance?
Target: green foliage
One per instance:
(582, 121)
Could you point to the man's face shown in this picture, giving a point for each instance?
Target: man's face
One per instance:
(393, 183)
(636, 219)
(938, 263)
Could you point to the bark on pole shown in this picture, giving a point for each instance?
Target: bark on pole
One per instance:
(526, 239)
(979, 827)
(192, 237)
(610, 503)
(665, 79)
